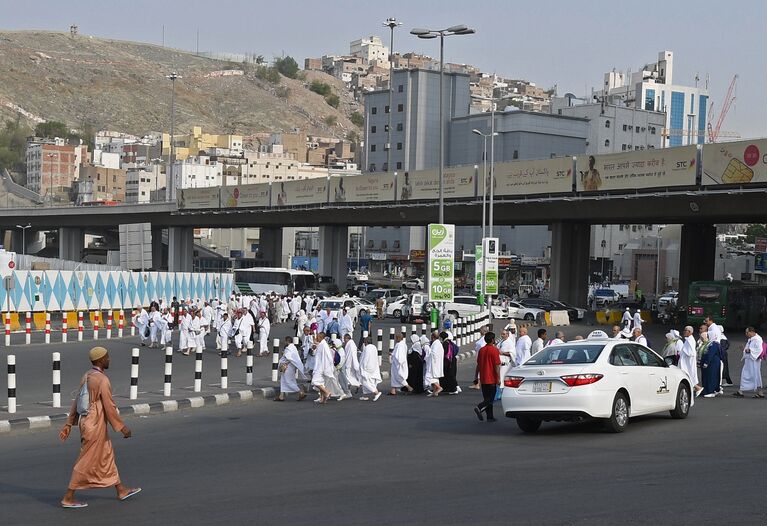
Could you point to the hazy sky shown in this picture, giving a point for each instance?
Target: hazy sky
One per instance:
(570, 44)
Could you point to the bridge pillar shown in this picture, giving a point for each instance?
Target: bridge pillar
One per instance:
(697, 255)
(180, 249)
(158, 262)
(71, 243)
(270, 246)
(570, 243)
(333, 253)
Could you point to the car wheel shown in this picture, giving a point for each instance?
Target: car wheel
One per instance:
(453, 313)
(682, 408)
(529, 317)
(528, 425)
(397, 313)
(620, 417)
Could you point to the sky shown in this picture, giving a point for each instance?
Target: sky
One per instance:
(568, 44)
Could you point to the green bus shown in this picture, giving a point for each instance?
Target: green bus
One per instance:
(733, 304)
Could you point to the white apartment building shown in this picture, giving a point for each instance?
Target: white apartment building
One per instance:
(106, 159)
(652, 88)
(371, 50)
(140, 182)
(198, 172)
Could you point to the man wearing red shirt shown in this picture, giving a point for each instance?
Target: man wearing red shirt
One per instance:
(489, 374)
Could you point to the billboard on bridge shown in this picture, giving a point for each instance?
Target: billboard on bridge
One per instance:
(738, 162)
(545, 176)
(303, 192)
(424, 184)
(199, 197)
(245, 196)
(362, 188)
(637, 169)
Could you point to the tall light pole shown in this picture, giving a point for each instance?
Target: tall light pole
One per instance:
(51, 157)
(172, 153)
(657, 263)
(24, 238)
(492, 135)
(484, 176)
(442, 33)
(391, 23)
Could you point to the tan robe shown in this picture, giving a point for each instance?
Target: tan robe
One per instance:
(95, 467)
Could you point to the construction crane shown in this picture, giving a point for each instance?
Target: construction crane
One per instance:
(714, 132)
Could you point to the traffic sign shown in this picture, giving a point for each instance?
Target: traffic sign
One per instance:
(441, 261)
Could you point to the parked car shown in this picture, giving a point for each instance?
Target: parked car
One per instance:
(606, 297)
(573, 312)
(518, 311)
(336, 304)
(550, 305)
(413, 284)
(602, 378)
(357, 276)
(364, 305)
(669, 299)
(386, 294)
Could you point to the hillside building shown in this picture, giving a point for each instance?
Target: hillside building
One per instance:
(52, 167)
(192, 144)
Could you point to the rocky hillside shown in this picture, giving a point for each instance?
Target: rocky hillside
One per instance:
(118, 85)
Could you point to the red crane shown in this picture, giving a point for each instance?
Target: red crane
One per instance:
(714, 131)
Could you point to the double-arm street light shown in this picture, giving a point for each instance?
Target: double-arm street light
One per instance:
(492, 136)
(172, 154)
(484, 176)
(441, 34)
(24, 238)
(391, 23)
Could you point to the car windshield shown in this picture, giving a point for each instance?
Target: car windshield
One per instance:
(564, 354)
(604, 292)
(375, 294)
(333, 305)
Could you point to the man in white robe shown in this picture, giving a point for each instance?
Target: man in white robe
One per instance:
(244, 332)
(351, 364)
(399, 368)
(154, 323)
(638, 319)
(295, 306)
(324, 319)
(293, 369)
(524, 345)
(559, 337)
(339, 358)
(508, 351)
(370, 371)
(142, 322)
(626, 319)
(224, 332)
(308, 347)
(688, 359)
(751, 374)
(434, 365)
(195, 328)
(639, 337)
(186, 340)
(264, 327)
(323, 377)
(539, 343)
(166, 337)
(345, 324)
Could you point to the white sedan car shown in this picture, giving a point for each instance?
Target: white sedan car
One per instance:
(518, 311)
(594, 378)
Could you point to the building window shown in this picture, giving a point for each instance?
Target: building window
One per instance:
(607, 142)
(620, 227)
(400, 108)
(372, 129)
(515, 154)
(399, 166)
(396, 244)
(633, 228)
(373, 110)
(652, 130)
(623, 147)
(399, 145)
(607, 123)
(400, 88)
(385, 167)
(372, 147)
(384, 244)
(399, 126)
(625, 127)
(637, 129)
(386, 128)
(372, 167)
(386, 109)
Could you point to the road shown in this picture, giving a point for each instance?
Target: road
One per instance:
(403, 460)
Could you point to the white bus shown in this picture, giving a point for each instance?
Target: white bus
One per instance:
(259, 280)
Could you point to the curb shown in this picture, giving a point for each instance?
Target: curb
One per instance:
(164, 406)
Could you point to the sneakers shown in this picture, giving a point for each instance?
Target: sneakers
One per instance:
(364, 398)
(344, 397)
(478, 412)
(727, 384)
(709, 395)
(377, 396)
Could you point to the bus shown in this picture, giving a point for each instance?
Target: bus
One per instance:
(260, 280)
(733, 304)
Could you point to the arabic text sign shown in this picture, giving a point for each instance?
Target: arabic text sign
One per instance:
(424, 184)
(362, 188)
(244, 196)
(546, 176)
(199, 197)
(441, 240)
(638, 169)
(738, 162)
(303, 192)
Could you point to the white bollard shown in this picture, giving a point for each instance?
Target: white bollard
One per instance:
(249, 366)
(64, 327)
(28, 330)
(109, 324)
(134, 374)
(47, 327)
(7, 329)
(168, 371)
(224, 370)
(379, 344)
(391, 340)
(120, 323)
(56, 379)
(198, 369)
(413, 330)
(96, 316)
(275, 358)
(132, 324)
(425, 330)
(80, 326)
(11, 383)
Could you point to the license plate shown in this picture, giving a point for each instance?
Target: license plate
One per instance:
(542, 387)
(697, 311)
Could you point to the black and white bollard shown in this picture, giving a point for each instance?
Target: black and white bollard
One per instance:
(425, 330)
(224, 370)
(56, 379)
(379, 344)
(413, 330)
(11, 383)
(391, 340)
(198, 369)
(168, 371)
(403, 331)
(134, 374)
(133, 323)
(249, 366)
(275, 358)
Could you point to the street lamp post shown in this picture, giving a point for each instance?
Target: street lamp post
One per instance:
(172, 153)
(51, 157)
(484, 176)
(441, 33)
(492, 136)
(391, 23)
(24, 238)
(657, 263)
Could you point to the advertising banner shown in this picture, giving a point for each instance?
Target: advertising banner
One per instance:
(424, 184)
(760, 262)
(366, 188)
(303, 192)
(545, 176)
(198, 197)
(638, 169)
(738, 162)
(245, 196)
(441, 258)
(478, 268)
(490, 262)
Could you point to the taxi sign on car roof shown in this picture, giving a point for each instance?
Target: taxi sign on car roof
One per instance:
(597, 335)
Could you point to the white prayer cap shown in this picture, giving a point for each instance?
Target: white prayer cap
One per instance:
(449, 335)
(628, 309)
(424, 340)
(414, 338)
(337, 342)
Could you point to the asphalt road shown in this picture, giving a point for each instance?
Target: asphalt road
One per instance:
(403, 460)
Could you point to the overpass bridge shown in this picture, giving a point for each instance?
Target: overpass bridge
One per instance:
(692, 186)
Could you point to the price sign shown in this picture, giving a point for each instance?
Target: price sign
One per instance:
(441, 262)
(477, 268)
(490, 262)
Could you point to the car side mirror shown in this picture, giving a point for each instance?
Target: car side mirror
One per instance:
(669, 360)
